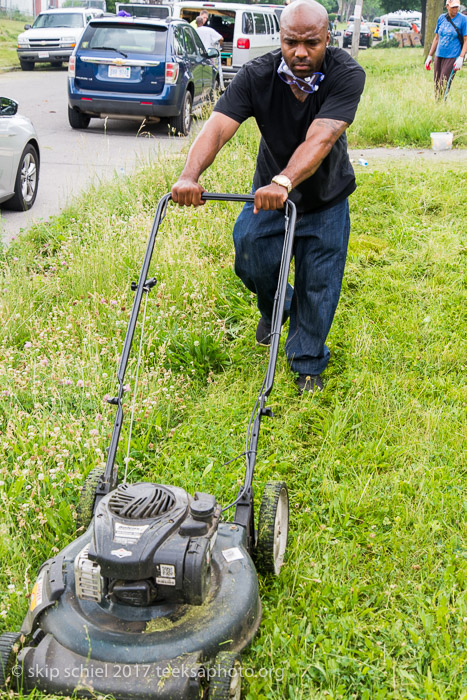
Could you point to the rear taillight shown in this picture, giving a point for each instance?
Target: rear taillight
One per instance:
(243, 44)
(171, 73)
(72, 66)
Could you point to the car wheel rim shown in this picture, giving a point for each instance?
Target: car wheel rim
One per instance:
(187, 114)
(28, 178)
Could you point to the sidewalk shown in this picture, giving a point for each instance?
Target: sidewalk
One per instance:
(378, 155)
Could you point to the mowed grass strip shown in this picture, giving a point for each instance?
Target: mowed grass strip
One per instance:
(372, 599)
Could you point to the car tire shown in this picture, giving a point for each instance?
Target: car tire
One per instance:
(27, 181)
(56, 64)
(181, 124)
(26, 65)
(78, 120)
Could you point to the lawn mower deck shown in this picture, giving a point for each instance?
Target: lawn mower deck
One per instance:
(159, 595)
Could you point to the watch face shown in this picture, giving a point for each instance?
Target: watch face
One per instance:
(283, 181)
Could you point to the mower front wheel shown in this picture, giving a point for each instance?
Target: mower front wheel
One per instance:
(273, 528)
(9, 647)
(226, 681)
(87, 499)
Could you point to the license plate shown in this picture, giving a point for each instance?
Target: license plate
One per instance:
(119, 72)
(43, 54)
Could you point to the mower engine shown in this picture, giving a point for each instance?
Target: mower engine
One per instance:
(150, 544)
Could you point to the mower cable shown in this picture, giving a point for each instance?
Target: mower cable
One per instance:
(127, 458)
(246, 453)
(448, 85)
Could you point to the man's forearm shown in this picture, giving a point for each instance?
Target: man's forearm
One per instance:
(321, 137)
(212, 137)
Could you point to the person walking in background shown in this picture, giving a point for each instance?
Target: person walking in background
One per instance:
(303, 97)
(449, 46)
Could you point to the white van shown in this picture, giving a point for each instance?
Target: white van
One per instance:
(248, 30)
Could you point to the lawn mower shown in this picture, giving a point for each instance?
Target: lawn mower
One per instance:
(159, 594)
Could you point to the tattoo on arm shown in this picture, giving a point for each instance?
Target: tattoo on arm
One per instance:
(336, 127)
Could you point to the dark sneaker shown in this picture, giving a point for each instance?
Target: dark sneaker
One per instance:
(263, 330)
(309, 382)
(263, 333)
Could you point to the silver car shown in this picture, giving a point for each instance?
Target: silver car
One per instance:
(19, 158)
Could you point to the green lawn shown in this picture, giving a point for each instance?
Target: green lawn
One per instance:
(398, 106)
(9, 30)
(372, 600)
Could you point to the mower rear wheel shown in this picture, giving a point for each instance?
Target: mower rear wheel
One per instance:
(87, 499)
(226, 683)
(273, 528)
(9, 647)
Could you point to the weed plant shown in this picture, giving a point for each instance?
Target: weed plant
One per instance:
(371, 603)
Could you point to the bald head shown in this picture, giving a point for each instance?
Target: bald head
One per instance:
(304, 36)
(305, 11)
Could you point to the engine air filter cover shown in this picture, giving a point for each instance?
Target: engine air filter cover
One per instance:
(142, 501)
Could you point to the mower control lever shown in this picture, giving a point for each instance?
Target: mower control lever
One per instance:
(148, 285)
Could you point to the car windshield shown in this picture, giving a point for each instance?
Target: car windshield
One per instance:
(59, 19)
(126, 40)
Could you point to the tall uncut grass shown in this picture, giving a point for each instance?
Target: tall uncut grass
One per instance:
(371, 602)
(398, 107)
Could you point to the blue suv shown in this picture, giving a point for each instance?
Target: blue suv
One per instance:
(131, 67)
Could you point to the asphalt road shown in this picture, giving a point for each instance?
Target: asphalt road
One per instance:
(71, 160)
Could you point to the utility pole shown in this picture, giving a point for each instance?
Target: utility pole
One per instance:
(356, 28)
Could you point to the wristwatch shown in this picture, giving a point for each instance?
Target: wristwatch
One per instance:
(282, 180)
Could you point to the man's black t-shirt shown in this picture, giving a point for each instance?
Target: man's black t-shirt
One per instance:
(257, 91)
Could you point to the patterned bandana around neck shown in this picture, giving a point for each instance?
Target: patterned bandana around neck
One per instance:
(309, 85)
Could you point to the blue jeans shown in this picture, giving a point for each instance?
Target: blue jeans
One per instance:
(320, 250)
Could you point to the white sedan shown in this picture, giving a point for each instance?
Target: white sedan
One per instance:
(19, 158)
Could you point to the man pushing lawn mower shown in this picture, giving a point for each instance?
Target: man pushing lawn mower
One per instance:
(303, 97)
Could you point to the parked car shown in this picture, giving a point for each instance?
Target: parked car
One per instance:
(140, 68)
(390, 26)
(248, 30)
(53, 36)
(366, 37)
(139, 9)
(19, 158)
(374, 29)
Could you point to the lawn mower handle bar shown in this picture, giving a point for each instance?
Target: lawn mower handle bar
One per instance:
(108, 481)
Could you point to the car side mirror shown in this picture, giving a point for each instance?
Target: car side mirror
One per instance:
(27, 26)
(213, 53)
(8, 107)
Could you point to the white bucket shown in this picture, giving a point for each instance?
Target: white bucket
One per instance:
(441, 140)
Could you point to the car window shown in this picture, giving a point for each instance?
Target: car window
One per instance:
(276, 23)
(140, 10)
(190, 44)
(179, 46)
(199, 44)
(260, 24)
(125, 39)
(72, 20)
(247, 23)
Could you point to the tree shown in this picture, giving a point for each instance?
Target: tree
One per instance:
(434, 8)
(394, 5)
